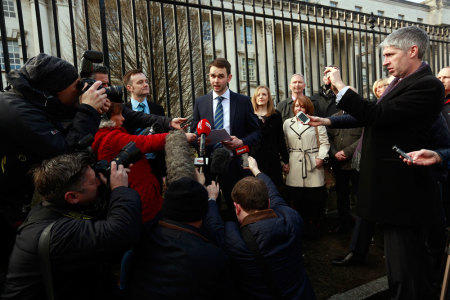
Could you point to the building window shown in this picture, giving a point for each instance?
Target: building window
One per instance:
(401, 17)
(251, 69)
(380, 13)
(14, 55)
(8, 9)
(248, 34)
(206, 29)
(420, 20)
(358, 8)
(333, 3)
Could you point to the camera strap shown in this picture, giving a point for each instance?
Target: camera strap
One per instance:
(44, 255)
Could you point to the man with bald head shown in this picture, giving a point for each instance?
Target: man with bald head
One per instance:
(297, 86)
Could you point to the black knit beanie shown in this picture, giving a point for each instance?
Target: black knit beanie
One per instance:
(185, 200)
(49, 73)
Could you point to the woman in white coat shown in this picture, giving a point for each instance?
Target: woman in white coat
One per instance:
(308, 146)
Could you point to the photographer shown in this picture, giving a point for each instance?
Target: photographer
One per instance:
(81, 248)
(42, 116)
(325, 101)
(108, 141)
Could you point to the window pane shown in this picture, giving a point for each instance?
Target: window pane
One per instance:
(14, 55)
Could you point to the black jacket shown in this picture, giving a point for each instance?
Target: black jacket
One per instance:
(446, 110)
(175, 261)
(158, 164)
(34, 125)
(81, 250)
(271, 149)
(278, 234)
(389, 190)
(324, 103)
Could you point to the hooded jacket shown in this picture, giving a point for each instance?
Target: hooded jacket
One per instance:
(35, 125)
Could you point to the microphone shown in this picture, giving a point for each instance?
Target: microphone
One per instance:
(243, 152)
(178, 157)
(220, 161)
(204, 129)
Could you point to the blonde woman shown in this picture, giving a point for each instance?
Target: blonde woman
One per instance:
(379, 87)
(272, 146)
(308, 146)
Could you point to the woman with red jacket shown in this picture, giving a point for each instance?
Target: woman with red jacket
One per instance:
(112, 137)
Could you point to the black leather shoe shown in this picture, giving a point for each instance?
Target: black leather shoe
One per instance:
(349, 260)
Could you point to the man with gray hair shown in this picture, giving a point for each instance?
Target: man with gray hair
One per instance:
(297, 86)
(405, 200)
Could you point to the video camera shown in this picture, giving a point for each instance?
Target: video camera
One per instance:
(128, 155)
(114, 93)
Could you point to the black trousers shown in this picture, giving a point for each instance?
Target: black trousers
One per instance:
(408, 263)
(343, 180)
(309, 202)
(362, 237)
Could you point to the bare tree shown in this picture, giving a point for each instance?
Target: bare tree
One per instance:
(182, 82)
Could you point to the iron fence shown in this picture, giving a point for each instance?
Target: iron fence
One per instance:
(174, 41)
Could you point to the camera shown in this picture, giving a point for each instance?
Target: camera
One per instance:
(128, 155)
(114, 93)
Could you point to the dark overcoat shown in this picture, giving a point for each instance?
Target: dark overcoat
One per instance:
(390, 191)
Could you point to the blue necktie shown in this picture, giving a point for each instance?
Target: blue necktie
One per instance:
(218, 116)
(141, 107)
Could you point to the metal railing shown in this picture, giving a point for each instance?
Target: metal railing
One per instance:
(174, 41)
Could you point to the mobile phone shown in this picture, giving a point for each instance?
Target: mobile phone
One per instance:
(302, 117)
(402, 153)
(187, 122)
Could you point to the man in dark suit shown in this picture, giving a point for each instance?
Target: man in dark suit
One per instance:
(231, 111)
(403, 199)
(136, 83)
(134, 120)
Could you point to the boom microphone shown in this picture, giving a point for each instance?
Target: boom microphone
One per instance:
(179, 156)
(204, 129)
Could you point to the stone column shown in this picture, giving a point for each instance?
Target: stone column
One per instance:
(44, 27)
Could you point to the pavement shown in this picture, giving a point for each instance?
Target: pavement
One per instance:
(376, 289)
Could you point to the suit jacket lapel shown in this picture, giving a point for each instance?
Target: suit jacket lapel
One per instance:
(209, 109)
(233, 104)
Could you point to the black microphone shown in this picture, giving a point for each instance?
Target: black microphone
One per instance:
(220, 161)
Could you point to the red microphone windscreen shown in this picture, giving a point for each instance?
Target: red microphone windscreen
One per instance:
(242, 150)
(203, 127)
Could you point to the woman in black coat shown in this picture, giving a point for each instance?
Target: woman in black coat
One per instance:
(270, 152)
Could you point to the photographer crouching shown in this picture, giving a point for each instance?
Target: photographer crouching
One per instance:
(62, 249)
(41, 116)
